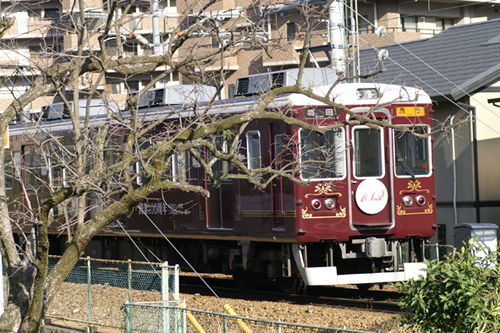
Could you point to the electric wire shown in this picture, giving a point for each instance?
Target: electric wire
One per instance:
(427, 84)
(169, 242)
(182, 256)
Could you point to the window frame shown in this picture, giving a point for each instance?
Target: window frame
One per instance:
(343, 158)
(253, 160)
(428, 152)
(381, 155)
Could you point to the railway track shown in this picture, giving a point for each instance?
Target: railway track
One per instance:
(338, 296)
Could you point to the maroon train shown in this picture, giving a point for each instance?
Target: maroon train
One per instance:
(364, 217)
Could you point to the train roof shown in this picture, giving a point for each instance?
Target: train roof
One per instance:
(344, 93)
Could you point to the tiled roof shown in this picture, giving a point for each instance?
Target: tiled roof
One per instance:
(454, 63)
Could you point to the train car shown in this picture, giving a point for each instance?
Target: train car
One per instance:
(363, 218)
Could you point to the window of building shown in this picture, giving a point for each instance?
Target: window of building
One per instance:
(215, 43)
(115, 87)
(291, 31)
(230, 91)
(34, 14)
(131, 48)
(409, 24)
(443, 24)
(426, 26)
(52, 14)
(364, 26)
(132, 86)
(136, 21)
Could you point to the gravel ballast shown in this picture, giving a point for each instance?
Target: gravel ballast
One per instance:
(107, 305)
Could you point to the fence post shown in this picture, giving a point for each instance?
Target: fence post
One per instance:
(89, 283)
(130, 280)
(164, 296)
(184, 323)
(176, 282)
(128, 324)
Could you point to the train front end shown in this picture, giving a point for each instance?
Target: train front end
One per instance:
(370, 206)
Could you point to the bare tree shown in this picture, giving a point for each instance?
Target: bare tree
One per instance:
(97, 164)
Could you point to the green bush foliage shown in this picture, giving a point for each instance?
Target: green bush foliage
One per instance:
(459, 293)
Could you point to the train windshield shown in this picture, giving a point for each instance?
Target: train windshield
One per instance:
(368, 153)
(322, 156)
(412, 153)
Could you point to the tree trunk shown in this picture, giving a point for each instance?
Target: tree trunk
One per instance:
(20, 283)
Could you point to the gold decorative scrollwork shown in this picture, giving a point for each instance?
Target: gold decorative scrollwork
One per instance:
(324, 189)
(427, 211)
(306, 215)
(414, 186)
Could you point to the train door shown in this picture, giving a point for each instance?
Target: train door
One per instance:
(278, 152)
(219, 208)
(370, 177)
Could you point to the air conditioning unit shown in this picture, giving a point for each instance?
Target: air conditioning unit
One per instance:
(174, 95)
(60, 110)
(262, 83)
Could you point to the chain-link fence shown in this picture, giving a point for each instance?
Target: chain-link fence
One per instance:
(173, 317)
(95, 290)
(128, 295)
(145, 297)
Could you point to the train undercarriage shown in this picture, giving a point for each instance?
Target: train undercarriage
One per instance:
(288, 265)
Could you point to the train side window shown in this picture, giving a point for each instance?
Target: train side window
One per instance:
(278, 151)
(221, 167)
(9, 170)
(168, 174)
(368, 152)
(412, 153)
(35, 167)
(57, 173)
(59, 161)
(180, 167)
(322, 156)
(141, 166)
(253, 150)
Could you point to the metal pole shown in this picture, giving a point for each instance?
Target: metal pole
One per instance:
(130, 280)
(336, 31)
(89, 283)
(157, 49)
(164, 296)
(127, 317)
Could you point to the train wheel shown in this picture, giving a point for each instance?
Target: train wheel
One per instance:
(364, 287)
(243, 280)
(291, 285)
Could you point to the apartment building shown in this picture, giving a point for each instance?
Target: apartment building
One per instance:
(260, 35)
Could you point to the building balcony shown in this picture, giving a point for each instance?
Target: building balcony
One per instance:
(35, 28)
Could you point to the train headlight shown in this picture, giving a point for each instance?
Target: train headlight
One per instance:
(408, 201)
(367, 93)
(316, 204)
(330, 204)
(420, 200)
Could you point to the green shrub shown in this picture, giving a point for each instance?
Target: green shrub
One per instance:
(459, 293)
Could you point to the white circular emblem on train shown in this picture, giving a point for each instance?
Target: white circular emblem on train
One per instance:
(371, 196)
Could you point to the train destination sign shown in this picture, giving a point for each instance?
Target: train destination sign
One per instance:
(321, 113)
(409, 111)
